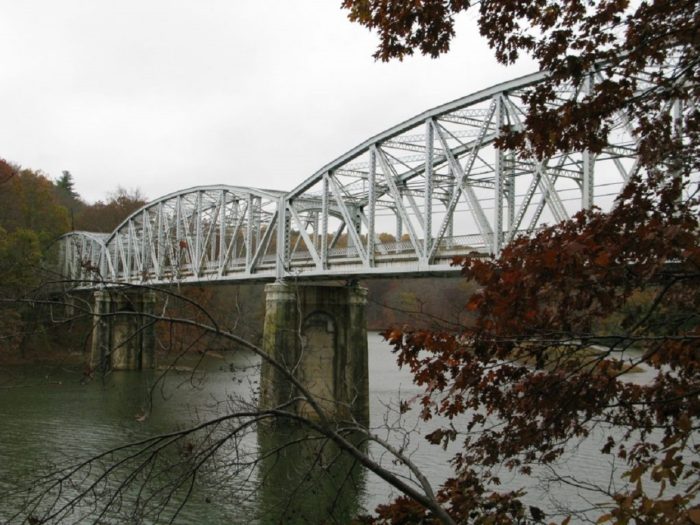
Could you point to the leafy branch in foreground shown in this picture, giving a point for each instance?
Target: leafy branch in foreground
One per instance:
(532, 376)
(543, 366)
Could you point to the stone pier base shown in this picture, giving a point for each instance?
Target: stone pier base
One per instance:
(319, 335)
(121, 338)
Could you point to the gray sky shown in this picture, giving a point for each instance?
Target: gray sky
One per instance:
(168, 94)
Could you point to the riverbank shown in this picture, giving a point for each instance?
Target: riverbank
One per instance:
(44, 356)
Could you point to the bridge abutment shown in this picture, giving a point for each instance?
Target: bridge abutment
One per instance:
(319, 335)
(123, 336)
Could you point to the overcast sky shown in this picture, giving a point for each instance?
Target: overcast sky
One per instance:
(168, 94)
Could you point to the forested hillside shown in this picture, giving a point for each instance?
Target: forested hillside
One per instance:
(31, 215)
(34, 211)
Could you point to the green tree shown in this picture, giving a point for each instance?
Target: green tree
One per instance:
(68, 196)
(20, 257)
(66, 184)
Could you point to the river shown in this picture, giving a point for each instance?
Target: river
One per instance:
(51, 419)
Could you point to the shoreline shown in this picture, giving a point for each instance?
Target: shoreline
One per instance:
(46, 357)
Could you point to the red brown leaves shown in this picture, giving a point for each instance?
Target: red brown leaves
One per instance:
(537, 367)
(403, 26)
(564, 319)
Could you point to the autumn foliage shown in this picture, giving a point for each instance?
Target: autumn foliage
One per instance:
(532, 374)
(34, 212)
(566, 321)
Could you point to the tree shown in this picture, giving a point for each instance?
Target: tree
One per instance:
(106, 216)
(68, 196)
(535, 373)
(66, 184)
(20, 256)
(28, 201)
(31, 217)
(531, 374)
(7, 171)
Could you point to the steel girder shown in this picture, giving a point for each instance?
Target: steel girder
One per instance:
(202, 233)
(439, 185)
(77, 256)
(405, 201)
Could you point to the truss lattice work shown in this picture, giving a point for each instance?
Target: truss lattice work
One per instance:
(403, 202)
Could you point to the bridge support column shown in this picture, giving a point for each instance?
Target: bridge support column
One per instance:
(319, 335)
(121, 338)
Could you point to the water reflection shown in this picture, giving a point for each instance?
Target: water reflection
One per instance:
(306, 478)
(50, 417)
(266, 475)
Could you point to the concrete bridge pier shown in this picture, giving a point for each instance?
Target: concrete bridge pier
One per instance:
(319, 334)
(121, 338)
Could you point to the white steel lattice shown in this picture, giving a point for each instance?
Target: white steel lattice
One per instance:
(405, 201)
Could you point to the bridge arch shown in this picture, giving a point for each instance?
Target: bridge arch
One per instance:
(435, 182)
(78, 256)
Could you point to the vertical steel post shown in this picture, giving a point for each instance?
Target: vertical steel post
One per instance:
(428, 193)
(104, 268)
(399, 224)
(249, 231)
(498, 169)
(324, 222)
(129, 250)
(450, 220)
(357, 226)
(371, 204)
(250, 238)
(197, 235)
(678, 131)
(236, 213)
(145, 245)
(160, 248)
(221, 245)
(178, 236)
(282, 247)
(509, 161)
(256, 203)
(314, 225)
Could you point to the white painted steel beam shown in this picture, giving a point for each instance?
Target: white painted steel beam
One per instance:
(437, 176)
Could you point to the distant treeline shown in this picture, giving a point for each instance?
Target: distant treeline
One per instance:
(35, 210)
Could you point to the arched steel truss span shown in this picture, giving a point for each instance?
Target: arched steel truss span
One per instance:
(405, 201)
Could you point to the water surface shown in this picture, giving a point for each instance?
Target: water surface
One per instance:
(51, 417)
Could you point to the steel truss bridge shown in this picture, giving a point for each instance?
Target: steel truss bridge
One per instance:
(406, 201)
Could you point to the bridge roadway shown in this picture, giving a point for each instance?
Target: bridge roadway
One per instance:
(403, 202)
